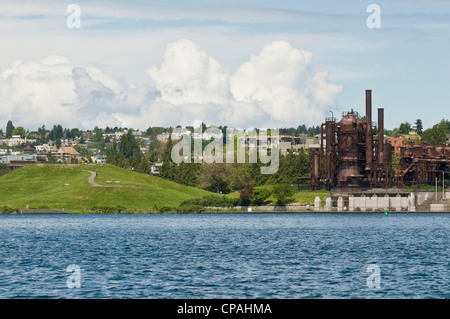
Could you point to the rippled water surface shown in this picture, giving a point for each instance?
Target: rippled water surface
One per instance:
(225, 256)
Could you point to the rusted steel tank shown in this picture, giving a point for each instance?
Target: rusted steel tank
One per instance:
(350, 131)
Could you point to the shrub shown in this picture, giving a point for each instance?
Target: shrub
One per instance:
(8, 210)
(163, 209)
(108, 209)
(260, 195)
(282, 194)
(216, 201)
(190, 209)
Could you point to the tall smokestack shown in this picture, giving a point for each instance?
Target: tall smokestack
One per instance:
(369, 134)
(380, 136)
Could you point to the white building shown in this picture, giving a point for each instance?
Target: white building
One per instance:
(43, 149)
(15, 140)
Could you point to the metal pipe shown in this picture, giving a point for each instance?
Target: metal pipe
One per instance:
(321, 151)
(380, 136)
(329, 150)
(369, 134)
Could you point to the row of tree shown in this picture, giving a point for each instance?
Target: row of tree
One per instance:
(226, 177)
(435, 135)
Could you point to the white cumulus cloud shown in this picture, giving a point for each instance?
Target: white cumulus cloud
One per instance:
(281, 81)
(276, 87)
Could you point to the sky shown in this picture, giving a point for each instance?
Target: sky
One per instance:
(243, 64)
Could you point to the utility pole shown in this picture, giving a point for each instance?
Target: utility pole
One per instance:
(443, 185)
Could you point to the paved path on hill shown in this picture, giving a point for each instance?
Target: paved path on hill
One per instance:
(91, 179)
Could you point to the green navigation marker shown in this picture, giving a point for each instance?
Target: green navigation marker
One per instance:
(385, 212)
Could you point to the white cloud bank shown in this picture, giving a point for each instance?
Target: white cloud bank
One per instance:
(276, 87)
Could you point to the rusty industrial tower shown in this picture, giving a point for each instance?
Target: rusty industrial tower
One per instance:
(357, 157)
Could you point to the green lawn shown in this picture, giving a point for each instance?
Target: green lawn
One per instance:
(44, 186)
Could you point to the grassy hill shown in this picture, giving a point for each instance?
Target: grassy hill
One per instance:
(67, 186)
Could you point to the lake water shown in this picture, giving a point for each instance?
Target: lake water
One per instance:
(225, 256)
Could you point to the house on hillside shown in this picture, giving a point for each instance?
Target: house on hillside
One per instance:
(155, 170)
(100, 159)
(15, 140)
(67, 153)
(29, 149)
(44, 148)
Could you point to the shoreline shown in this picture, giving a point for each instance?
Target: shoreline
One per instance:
(55, 212)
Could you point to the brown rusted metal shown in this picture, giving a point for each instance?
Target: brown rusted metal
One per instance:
(315, 169)
(421, 164)
(330, 131)
(380, 136)
(369, 134)
(352, 161)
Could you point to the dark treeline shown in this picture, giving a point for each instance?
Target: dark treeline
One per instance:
(227, 177)
(127, 154)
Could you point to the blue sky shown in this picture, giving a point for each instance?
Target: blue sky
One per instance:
(405, 62)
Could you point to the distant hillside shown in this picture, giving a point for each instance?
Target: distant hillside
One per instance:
(67, 186)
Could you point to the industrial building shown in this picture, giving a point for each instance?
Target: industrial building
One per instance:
(355, 156)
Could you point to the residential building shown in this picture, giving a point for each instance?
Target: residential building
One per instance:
(99, 159)
(43, 149)
(156, 168)
(15, 140)
(29, 148)
(66, 154)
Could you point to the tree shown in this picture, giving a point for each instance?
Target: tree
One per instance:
(156, 150)
(246, 195)
(437, 134)
(282, 194)
(238, 175)
(20, 131)
(186, 173)
(128, 146)
(56, 134)
(404, 128)
(144, 166)
(418, 127)
(212, 177)
(9, 129)
(42, 134)
(98, 134)
(167, 168)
